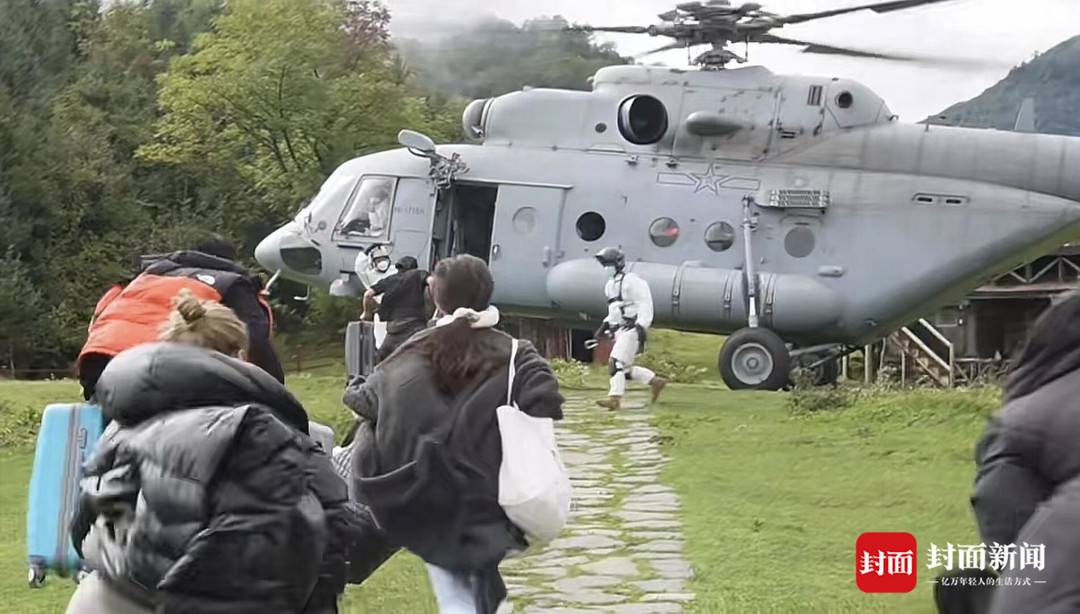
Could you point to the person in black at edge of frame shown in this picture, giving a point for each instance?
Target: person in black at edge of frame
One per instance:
(403, 306)
(1027, 486)
(131, 313)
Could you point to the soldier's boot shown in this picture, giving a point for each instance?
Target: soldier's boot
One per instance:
(612, 403)
(657, 385)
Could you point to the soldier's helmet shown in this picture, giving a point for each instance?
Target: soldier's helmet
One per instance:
(379, 252)
(611, 257)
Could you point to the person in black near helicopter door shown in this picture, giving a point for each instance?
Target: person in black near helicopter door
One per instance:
(403, 305)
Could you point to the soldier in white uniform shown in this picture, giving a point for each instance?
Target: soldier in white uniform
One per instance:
(630, 314)
(372, 266)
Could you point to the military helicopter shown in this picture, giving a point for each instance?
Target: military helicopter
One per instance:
(795, 214)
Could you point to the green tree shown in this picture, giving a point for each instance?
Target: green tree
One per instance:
(22, 313)
(133, 127)
(104, 204)
(281, 93)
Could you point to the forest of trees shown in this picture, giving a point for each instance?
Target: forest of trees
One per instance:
(131, 127)
(491, 57)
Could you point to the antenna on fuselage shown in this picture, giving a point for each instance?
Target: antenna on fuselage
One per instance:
(1025, 117)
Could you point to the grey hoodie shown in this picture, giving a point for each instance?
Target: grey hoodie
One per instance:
(1027, 489)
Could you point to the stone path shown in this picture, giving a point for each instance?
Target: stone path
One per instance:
(623, 549)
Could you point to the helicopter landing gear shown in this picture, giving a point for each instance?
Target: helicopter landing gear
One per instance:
(824, 367)
(755, 359)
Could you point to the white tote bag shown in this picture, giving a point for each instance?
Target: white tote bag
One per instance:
(534, 486)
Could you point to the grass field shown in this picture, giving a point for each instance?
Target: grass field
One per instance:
(773, 499)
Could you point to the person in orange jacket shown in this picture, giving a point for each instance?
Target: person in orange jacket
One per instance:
(132, 314)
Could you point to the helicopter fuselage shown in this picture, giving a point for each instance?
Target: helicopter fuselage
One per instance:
(859, 225)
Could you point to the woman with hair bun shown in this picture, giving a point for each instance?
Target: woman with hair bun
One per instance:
(431, 479)
(205, 493)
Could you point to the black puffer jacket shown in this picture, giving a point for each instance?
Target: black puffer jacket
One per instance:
(206, 495)
(1028, 486)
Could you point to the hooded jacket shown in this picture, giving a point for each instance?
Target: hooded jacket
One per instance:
(1027, 488)
(431, 476)
(205, 494)
(134, 313)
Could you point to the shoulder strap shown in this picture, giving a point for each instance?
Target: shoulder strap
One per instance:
(513, 370)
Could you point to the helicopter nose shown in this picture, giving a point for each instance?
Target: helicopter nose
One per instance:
(268, 252)
(286, 250)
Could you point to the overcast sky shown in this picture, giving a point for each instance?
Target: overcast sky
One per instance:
(1008, 31)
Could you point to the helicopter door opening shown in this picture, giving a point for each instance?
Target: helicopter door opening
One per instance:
(464, 221)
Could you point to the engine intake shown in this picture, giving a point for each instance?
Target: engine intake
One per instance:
(474, 120)
(643, 119)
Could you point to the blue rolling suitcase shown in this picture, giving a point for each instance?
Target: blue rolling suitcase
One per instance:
(68, 435)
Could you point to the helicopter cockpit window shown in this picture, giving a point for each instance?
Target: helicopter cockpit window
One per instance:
(591, 226)
(664, 232)
(368, 213)
(720, 236)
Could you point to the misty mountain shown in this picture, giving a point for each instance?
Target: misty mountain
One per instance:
(1051, 79)
(490, 57)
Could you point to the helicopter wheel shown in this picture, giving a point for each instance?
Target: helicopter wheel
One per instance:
(755, 359)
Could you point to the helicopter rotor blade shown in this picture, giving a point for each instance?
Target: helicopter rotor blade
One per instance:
(667, 47)
(877, 7)
(622, 29)
(809, 47)
(929, 60)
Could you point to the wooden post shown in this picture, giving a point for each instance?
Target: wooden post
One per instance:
(556, 341)
(868, 359)
(602, 352)
(903, 367)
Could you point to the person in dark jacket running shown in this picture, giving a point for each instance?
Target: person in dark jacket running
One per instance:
(205, 493)
(1027, 489)
(403, 304)
(133, 313)
(431, 478)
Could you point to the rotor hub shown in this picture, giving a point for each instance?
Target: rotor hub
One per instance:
(718, 23)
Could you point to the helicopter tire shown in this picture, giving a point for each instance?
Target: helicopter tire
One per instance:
(755, 359)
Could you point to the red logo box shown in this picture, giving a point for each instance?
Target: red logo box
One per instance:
(886, 562)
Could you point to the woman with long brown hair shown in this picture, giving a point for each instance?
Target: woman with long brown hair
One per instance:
(431, 478)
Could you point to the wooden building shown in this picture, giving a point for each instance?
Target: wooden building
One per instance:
(993, 321)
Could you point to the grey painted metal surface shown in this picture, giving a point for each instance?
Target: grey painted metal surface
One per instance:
(863, 223)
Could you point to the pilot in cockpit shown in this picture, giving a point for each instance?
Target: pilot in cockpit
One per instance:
(370, 212)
